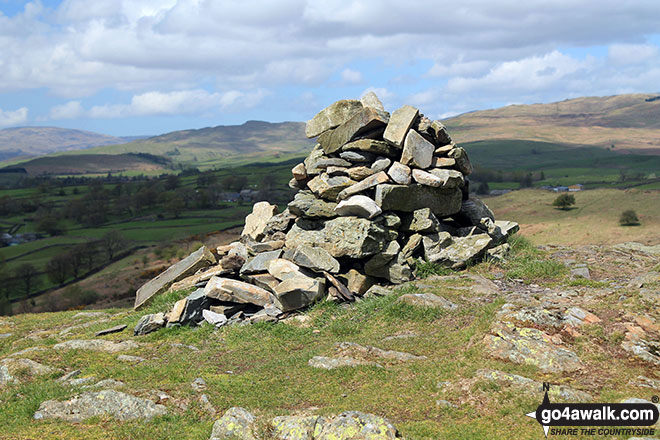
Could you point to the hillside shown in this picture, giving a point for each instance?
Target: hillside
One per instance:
(34, 141)
(629, 122)
(215, 145)
(84, 163)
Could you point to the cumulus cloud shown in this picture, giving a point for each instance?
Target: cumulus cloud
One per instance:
(183, 102)
(69, 110)
(350, 76)
(10, 118)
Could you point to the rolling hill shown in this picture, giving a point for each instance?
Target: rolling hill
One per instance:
(37, 141)
(629, 122)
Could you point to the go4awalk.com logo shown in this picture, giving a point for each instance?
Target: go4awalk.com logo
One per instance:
(597, 419)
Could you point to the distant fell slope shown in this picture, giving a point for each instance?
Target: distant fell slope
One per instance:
(253, 139)
(629, 122)
(32, 141)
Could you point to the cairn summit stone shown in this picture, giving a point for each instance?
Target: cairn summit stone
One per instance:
(199, 259)
(332, 116)
(255, 223)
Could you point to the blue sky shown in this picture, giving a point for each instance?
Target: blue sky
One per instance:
(141, 67)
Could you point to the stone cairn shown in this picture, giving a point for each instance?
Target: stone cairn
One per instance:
(377, 194)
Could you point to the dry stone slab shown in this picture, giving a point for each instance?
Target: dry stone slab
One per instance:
(380, 164)
(365, 184)
(342, 236)
(188, 310)
(358, 205)
(357, 156)
(331, 363)
(400, 173)
(304, 204)
(449, 178)
(417, 151)
(315, 258)
(201, 258)
(359, 173)
(332, 116)
(31, 367)
(108, 402)
(255, 223)
(408, 198)
(372, 146)
(442, 162)
(108, 331)
(259, 263)
(298, 292)
(399, 125)
(96, 345)
(462, 160)
(150, 323)
(364, 121)
(462, 250)
(370, 99)
(282, 269)
(327, 187)
(227, 289)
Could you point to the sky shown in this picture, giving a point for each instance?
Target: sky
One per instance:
(146, 67)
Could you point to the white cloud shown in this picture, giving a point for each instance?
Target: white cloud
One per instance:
(69, 110)
(626, 54)
(188, 102)
(350, 76)
(10, 118)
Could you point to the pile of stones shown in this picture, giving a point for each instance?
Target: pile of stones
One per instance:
(376, 195)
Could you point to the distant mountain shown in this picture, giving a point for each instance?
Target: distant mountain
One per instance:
(222, 145)
(37, 141)
(629, 122)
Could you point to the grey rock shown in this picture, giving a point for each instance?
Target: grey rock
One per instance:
(115, 329)
(282, 269)
(311, 161)
(581, 272)
(462, 160)
(356, 282)
(305, 204)
(226, 289)
(96, 345)
(359, 173)
(351, 349)
(498, 253)
(462, 250)
(422, 221)
(330, 363)
(6, 335)
(435, 243)
(530, 346)
(198, 385)
(417, 151)
(354, 425)
(440, 133)
(400, 122)
(299, 172)
(279, 222)
(259, 263)
(357, 156)
(315, 258)
(378, 261)
(472, 211)
(443, 150)
(70, 375)
(27, 366)
(327, 162)
(332, 116)
(149, 323)
(380, 164)
(367, 183)
(255, 248)
(400, 173)
(298, 292)
(377, 290)
(412, 246)
(236, 424)
(294, 427)
(448, 178)
(363, 121)
(255, 223)
(327, 187)
(342, 237)
(372, 146)
(337, 171)
(408, 198)
(129, 358)
(532, 387)
(442, 162)
(358, 205)
(188, 310)
(213, 318)
(370, 99)
(264, 280)
(201, 258)
(427, 300)
(99, 404)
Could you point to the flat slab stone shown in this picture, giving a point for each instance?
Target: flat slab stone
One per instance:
(226, 289)
(342, 236)
(315, 258)
(407, 198)
(532, 387)
(109, 402)
(255, 222)
(330, 363)
(360, 206)
(305, 204)
(462, 250)
(372, 146)
(259, 263)
(96, 345)
(370, 99)
(417, 151)
(351, 349)
(364, 185)
(400, 173)
(202, 257)
(298, 292)
(236, 424)
(427, 300)
(329, 188)
(400, 122)
(31, 367)
(530, 346)
(332, 116)
(115, 329)
(363, 121)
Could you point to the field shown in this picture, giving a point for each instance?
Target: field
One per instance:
(593, 220)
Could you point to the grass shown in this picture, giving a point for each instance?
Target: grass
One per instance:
(528, 263)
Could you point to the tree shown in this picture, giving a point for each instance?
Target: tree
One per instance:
(564, 201)
(175, 206)
(49, 224)
(112, 243)
(629, 218)
(59, 268)
(28, 278)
